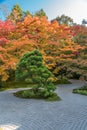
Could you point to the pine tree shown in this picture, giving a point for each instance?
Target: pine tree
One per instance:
(31, 69)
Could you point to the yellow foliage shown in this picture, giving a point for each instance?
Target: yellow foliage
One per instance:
(56, 70)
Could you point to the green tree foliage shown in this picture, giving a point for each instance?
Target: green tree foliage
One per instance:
(63, 19)
(16, 15)
(31, 69)
(26, 13)
(40, 13)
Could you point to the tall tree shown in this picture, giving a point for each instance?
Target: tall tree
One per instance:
(84, 22)
(16, 15)
(63, 19)
(26, 13)
(40, 13)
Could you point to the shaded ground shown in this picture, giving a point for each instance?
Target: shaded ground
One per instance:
(28, 114)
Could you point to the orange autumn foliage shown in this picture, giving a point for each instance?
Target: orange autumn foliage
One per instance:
(51, 39)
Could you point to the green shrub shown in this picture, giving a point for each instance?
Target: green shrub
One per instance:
(31, 70)
(82, 90)
(42, 94)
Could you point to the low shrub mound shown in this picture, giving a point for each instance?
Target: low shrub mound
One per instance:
(82, 90)
(41, 94)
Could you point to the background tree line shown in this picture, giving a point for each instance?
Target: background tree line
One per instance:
(61, 42)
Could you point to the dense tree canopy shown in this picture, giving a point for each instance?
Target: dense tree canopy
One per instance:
(59, 44)
(80, 34)
(63, 19)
